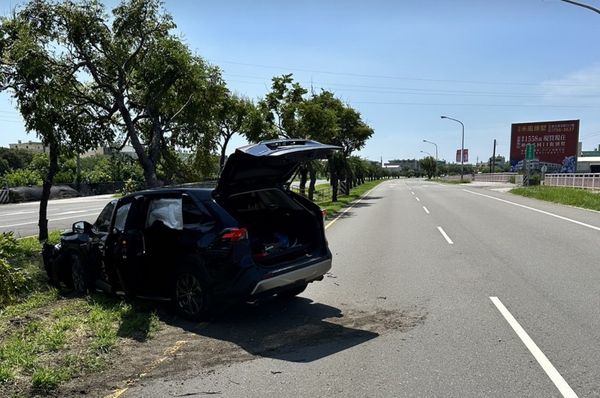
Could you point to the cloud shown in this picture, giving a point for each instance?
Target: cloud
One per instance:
(581, 87)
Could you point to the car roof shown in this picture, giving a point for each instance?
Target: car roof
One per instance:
(199, 193)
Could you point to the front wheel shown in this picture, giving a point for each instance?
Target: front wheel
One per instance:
(192, 296)
(80, 275)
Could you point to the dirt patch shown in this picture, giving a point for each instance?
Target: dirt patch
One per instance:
(274, 330)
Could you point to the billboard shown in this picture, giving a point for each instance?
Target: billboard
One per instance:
(465, 156)
(555, 145)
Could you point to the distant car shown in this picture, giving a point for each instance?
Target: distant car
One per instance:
(249, 237)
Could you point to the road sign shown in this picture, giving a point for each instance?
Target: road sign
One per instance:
(530, 151)
(465, 156)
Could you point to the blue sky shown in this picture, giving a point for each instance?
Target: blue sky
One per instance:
(404, 63)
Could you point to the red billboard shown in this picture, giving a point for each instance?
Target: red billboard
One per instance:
(465, 156)
(555, 144)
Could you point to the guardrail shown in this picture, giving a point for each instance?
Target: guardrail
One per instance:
(574, 180)
(494, 177)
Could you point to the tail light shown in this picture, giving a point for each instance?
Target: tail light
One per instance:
(234, 234)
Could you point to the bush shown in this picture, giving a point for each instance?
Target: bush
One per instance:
(20, 272)
(23, 178)
(534, 179)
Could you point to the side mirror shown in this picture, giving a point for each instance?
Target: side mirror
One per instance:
(82, 227)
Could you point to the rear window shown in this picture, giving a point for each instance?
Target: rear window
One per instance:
(266, 199)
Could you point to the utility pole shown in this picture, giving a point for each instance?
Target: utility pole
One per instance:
(494, 156)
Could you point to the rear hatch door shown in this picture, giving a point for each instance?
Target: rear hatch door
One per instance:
(268, 164)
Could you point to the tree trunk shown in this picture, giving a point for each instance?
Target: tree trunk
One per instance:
(47, 185)
(303, 177)
(223, 152)
(312, 172)
(148, 166)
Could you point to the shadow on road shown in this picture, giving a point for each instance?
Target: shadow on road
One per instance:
(299, 330)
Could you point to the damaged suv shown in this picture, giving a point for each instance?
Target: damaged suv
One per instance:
(249, 237)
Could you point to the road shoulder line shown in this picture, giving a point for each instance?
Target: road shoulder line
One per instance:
(536, 210)
(352, 205)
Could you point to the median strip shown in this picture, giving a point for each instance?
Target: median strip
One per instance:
(544, 362)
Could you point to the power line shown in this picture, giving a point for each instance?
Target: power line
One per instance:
(401, 77)
(418, 91)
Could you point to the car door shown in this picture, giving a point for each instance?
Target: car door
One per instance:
(125, 245)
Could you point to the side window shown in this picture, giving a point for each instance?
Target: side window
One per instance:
(121, 217)
(165, 211)
(102, 223)
(196, 216)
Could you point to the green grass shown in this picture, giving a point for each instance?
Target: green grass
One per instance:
(345, 200)
(452, 181)
(47, 340)
(567, 196)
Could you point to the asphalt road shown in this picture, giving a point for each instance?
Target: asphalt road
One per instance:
(436, 290)
(22, 218)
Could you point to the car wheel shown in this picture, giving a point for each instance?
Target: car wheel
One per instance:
(80, 276)
(292, 292)
(192, 296)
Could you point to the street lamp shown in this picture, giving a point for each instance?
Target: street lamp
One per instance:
(426, 152)
(436, 151)
(462, 145)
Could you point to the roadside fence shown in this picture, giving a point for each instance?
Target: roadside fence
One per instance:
(573, 180)
(494, 177)
(322, 193)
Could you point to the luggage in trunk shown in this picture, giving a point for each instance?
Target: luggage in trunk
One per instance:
(279, 228)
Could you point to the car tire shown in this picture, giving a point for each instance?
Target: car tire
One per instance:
(289, 294)
(80, 275)
(192, 294)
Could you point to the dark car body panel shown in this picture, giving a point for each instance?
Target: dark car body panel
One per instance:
(140, 257)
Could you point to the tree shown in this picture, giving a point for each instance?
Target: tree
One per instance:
(429, 165)
(36, 74)
(130, 67)
(231, 118)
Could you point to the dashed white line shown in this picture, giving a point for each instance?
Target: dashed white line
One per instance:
(445, 235)
(536, 210)
(550, 370)
(426, 210)
(412, 192)
(417, 198)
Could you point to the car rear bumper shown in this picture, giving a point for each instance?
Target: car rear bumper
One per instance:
(284, 278)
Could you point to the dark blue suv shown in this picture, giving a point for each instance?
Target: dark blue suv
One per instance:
(249, 237)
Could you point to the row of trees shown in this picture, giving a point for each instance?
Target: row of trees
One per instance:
(84, 77)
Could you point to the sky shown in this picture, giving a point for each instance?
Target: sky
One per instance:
(402, 64)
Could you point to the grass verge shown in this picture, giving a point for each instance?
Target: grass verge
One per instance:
(567, 196)
(345, 200)
(46, 338)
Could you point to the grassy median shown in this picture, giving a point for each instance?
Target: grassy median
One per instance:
(345, 200)
(566, 196)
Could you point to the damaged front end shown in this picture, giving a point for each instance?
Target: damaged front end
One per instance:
(53, 261)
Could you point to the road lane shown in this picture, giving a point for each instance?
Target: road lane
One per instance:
(390, 262)
(22, 218)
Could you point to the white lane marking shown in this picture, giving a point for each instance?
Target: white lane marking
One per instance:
(418, 200)
(17, 213)
(445, 235)
(536, 210)
(49, 220)
(351, 206)
(425, 208)
(412, 192)
(73, 212)
(550, 370)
